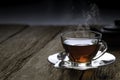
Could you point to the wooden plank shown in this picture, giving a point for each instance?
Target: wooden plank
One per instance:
(16, 51)
(27, 58)
(42, 70)
(9, 30)
(38, 68)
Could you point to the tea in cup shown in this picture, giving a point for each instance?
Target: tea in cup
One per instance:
(83, 46)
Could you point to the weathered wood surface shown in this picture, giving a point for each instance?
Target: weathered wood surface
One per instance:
(23, 56)
(7, 31)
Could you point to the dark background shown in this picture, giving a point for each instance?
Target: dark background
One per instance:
(103, 4)
(56, 11)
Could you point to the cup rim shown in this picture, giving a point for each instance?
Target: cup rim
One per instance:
(96, 32)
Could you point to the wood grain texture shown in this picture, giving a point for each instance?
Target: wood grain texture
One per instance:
(9, 30)
(38, 68)
(16, 51)
(24, 57)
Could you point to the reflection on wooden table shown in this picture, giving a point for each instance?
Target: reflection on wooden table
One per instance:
(24, 51)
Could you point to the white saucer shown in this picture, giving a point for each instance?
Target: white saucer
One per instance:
(61, 60)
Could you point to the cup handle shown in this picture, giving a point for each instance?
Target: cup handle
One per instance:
(103, 48)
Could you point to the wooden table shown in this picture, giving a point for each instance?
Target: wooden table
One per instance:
(24, 51)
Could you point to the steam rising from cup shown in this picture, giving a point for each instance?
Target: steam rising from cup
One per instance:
(91, 15)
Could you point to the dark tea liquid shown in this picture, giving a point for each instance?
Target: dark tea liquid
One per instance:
(81, 50)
